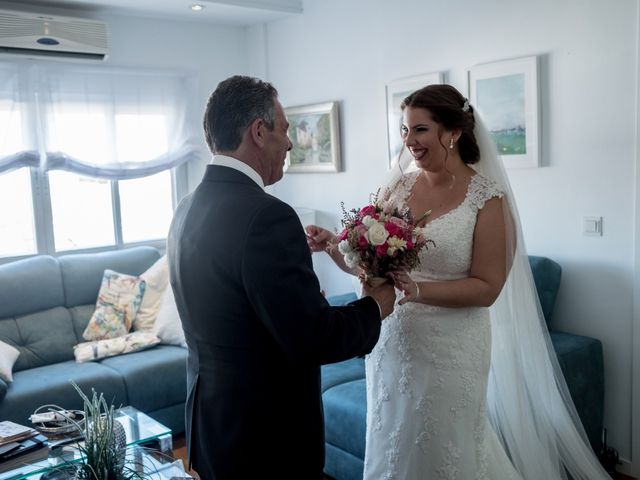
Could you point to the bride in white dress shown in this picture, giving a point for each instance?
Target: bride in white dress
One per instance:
(455, 389)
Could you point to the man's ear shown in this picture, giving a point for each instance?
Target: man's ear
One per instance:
(257, 131)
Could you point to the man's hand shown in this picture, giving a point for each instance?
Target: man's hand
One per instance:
(384, 295)
(319, 238)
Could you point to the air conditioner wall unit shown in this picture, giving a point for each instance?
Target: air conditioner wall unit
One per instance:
(35, 34)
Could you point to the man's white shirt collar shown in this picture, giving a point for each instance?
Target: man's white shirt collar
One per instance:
(225, 161)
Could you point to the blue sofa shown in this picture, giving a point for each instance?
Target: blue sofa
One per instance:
(45, 305)
(344, 395)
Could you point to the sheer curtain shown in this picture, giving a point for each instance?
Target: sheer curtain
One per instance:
(89, 120)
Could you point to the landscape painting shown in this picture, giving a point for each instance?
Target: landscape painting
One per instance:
(502, 102)
(313, 130)
(505, 95)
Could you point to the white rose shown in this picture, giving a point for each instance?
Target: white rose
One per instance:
(351, 259)
(377, 234)
(344, 248)
(367, 221)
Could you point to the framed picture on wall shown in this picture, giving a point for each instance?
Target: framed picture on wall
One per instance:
(505, 93)
(315, 134)
(397, 90)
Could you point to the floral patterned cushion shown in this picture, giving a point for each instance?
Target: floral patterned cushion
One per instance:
(118, 303)
(132, 342)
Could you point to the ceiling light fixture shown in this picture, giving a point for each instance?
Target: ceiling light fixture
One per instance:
(196, 7)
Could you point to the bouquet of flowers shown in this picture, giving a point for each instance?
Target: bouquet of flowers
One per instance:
(380, 240)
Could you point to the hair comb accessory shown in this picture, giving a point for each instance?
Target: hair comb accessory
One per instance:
(465, 106)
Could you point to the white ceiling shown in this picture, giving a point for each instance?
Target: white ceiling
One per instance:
(229, 12)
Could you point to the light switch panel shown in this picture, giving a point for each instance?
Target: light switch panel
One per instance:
(592, 226)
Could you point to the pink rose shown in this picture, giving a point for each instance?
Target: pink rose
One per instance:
(344, 234)
(399, 222)
(368, 210)
(394, 229)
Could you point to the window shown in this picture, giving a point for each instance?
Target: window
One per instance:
(81, 208)
(17, 235)
(145, 208)
(97, 168)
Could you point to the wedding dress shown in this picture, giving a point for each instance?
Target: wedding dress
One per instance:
(471, 393)
(427, 376)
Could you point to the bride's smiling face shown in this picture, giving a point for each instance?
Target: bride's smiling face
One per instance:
(424, 138)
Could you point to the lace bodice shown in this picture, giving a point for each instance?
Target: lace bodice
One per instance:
(452, 233)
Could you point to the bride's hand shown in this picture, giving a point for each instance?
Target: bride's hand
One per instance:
(318, 238)
(407, 285)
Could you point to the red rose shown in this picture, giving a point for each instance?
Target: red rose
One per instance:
(362, 242)
(381, 250)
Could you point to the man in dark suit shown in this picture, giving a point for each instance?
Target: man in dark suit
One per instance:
(256, 324)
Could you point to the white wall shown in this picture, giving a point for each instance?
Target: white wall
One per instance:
(348, 50)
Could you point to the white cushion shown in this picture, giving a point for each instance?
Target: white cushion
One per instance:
(168, 325)
(157, 279)
(8, 356)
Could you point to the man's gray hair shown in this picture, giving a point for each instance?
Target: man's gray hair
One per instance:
(233, 106)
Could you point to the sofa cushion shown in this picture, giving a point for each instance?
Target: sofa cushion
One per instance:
(82, 272)
(30, 285)
(342, 299)
(80, 316)
(42, 338)
(154, 378)
(50, 384)
(346, 407)
(341, 464)
(168, 325)
(156, 279)
(336, 373)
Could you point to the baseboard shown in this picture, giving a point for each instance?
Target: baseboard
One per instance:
(625, 467)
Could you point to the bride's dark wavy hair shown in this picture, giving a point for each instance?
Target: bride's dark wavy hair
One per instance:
(445, 104)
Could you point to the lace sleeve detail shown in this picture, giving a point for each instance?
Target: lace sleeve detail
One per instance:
(483, 189)
(396, 196)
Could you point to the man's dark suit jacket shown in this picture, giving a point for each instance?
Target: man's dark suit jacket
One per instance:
(258, 329)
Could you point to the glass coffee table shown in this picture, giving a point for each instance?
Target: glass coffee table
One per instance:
(149, 447)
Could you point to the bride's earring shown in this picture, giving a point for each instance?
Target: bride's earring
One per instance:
(451, 144)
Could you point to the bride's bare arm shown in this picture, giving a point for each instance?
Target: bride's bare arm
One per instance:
(488, 272)
(322, 240)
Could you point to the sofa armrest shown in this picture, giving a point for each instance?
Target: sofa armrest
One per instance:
(581, 361)
(3, 389)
